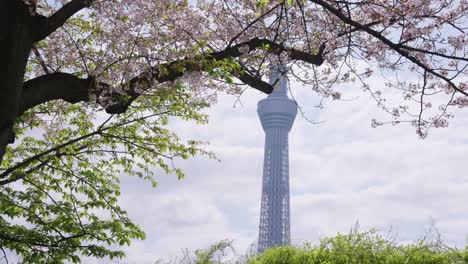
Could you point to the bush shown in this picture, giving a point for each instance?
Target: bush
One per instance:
(363, 248)
(353, 248)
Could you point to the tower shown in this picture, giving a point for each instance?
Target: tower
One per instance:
(277, 113)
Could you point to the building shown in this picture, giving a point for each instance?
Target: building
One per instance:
(277, 113)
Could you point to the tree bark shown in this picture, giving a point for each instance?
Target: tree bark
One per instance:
(17, 40)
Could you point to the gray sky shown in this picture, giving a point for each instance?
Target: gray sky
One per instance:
(341, 172)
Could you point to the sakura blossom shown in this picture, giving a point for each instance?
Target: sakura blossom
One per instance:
(85, 59)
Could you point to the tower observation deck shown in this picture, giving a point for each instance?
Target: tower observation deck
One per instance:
(277, 113)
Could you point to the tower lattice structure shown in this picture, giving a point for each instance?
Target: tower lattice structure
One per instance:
(277, 113)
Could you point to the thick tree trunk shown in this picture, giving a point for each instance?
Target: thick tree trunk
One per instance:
(16, 40)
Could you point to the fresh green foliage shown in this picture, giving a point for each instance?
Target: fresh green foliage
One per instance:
(59, 196)
(363, 248)
(353, 248)
(213, 254)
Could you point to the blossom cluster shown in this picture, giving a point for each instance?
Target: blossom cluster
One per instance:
(115, 41)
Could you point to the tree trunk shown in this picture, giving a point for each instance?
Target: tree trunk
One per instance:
(16, 39)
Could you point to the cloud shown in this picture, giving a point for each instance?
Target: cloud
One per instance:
(341, 171)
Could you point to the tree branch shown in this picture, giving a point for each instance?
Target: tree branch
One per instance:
(57, 20)
(271, 47)
(40, 60)
(27, 161)
(386, 41)
(72, 89)
(54, 86)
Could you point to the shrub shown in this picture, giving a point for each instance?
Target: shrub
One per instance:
(363, 248)
(353, 248)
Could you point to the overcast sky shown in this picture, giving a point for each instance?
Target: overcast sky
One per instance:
(341, 172)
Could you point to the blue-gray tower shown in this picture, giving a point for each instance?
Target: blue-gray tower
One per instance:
(277, 113)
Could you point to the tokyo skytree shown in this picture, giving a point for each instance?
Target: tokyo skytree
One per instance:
(277, 113)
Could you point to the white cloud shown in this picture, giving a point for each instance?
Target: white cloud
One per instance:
(342, 171)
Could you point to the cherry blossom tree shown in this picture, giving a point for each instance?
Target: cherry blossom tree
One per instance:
(88, 86)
